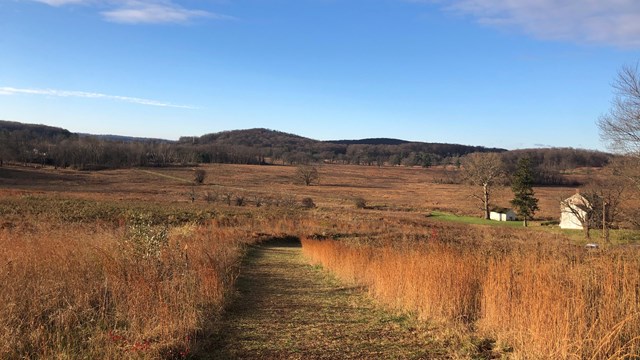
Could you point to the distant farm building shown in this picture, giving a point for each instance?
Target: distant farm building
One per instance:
(573, 211)
(502, 214)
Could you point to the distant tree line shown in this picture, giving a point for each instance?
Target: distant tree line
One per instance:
(45, 145)
(549, 165)
(287, 149)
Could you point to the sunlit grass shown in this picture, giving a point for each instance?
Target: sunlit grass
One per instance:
(73, 286)
(444, 216)
(616, 236)
(529, 292)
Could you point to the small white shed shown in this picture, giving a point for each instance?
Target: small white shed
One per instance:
(502, 214)
(573, 211)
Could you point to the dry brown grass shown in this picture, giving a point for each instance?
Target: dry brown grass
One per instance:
(75, 286)
(81, 291)
(390, 188)
(543, 298)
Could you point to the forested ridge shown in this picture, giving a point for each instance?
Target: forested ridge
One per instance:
(47, 145)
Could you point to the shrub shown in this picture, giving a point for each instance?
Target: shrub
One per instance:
(258, 200)
(227, 197)
(239, 200)
(144, 239)
(285, 201)
(308, 203)
(199, 175)
(360, 203)
(211, 196)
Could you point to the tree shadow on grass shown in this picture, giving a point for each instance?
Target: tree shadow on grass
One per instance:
(286, 241)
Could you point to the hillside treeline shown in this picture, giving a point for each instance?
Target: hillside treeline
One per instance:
(38, 144)
(45, 145)
(283, 148)
(548, 165)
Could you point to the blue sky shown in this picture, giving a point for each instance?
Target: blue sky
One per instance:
(511, 74)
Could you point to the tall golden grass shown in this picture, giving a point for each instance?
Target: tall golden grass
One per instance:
(75, 284)
(542, 298)
(84, 291)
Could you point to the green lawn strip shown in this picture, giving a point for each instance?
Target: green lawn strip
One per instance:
(617, 236)
(443, 216)
(624, 237)
(287, 309)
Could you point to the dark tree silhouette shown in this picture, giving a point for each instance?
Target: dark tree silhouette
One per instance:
(524, 201)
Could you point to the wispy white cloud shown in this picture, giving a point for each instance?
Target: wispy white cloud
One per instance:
(92, 95)
(141, 11)
(61, 2)
(154, 12)
(612, 22)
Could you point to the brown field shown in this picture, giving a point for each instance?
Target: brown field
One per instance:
(123, 264)
(390, 188)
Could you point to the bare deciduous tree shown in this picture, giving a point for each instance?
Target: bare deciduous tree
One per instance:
(606, 195)
(199, 175)
(620, 128)
(483, 169)
(626, 168)
(308, 174)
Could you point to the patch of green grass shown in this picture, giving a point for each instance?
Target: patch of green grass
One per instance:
(443, 216)
(626, 236)
(616, 236)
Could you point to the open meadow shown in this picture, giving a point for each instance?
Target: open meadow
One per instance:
(143, 263)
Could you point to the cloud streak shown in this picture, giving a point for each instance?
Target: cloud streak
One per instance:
(60, 2)
(614, 22)
(141, 11)
(147, 12)
(91, 95)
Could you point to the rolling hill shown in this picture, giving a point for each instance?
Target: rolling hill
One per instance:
(27, 143)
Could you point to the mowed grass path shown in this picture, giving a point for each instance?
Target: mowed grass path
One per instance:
(287, 309)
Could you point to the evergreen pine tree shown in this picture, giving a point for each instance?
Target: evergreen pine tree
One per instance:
(524, 201)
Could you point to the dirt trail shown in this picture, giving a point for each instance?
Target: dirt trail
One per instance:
(288, 309)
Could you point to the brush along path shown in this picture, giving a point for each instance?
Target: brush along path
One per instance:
(288, 309)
